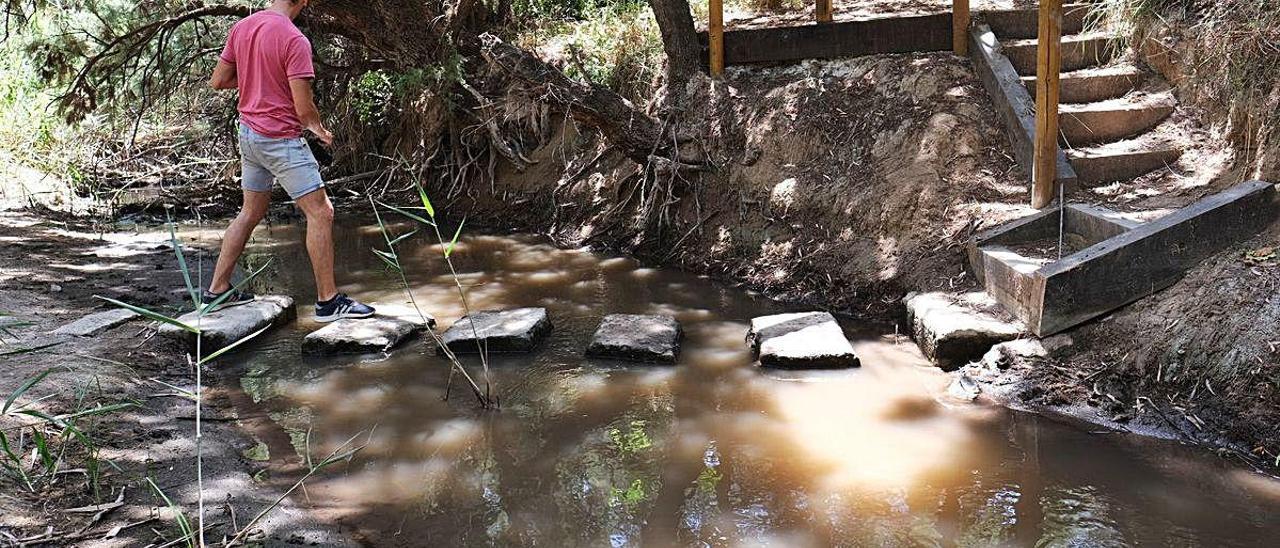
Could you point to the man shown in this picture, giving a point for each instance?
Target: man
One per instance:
(269, 60)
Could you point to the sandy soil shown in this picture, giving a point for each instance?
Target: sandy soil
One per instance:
(52, 271)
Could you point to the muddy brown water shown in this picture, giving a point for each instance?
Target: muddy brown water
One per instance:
(713, 451)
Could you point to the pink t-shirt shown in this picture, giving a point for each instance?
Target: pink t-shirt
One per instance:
(268, 51)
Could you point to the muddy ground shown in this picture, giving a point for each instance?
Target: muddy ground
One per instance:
(53, 271)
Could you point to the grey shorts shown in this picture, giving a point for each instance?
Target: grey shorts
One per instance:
(288, 161)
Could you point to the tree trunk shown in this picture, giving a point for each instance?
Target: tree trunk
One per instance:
(679, 41)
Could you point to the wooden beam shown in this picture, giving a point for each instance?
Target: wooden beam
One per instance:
(822, 11)
(849, 38)
(960, 27)
(1048, 65)
(715, 32)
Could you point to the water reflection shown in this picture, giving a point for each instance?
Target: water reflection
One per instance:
(710, 452)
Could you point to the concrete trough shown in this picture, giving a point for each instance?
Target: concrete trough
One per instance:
(1119, 261)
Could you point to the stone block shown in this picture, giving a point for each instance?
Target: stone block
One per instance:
(225, 327)
(809, 340)
(516, 330)
(96, 323)
(636, 338)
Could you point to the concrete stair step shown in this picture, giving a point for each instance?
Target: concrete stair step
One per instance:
(1122, 160)
(1025, 23)
(1093, 84)
(1079, 51)
(1112, 120)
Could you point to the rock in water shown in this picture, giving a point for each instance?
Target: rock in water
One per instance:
(955, 330)
(517, 330)
(803, 340)
(636, 338)
(357, 336)
(96, 323)
(225, 327)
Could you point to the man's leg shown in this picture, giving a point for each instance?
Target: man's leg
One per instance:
(319, 213)
(254, 209)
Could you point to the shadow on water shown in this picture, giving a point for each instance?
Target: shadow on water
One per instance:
(713, 451)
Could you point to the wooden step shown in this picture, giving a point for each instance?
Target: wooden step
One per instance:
(1113, 120)
(1121, 161)
(1025, 23)
(1078, 52)
(1093, 84)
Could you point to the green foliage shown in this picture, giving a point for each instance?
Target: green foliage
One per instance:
(50, 438)
(633, 441)
(613, 44)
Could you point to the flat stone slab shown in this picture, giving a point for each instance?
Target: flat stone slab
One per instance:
(515, 330)
(360, 336)
(226, 326)
(96, 323)
(809, 340)
(953, 330)
(637, 338)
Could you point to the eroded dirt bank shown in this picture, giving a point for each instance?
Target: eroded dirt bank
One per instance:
(846, 183)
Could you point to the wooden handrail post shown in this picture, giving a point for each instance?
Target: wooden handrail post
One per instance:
(1048, 64)
(960, 27)
(715, 35)
(822, 11)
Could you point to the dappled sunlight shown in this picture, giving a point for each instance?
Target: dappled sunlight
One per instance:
(713, 448)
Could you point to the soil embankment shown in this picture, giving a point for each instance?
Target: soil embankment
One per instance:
(846, 183)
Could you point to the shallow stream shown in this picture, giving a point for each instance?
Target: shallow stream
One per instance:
(710, 452)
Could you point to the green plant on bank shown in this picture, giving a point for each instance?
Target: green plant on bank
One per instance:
(1233, 49)
(35, 452)
(613, 44)
(194, 535)
(391, 258)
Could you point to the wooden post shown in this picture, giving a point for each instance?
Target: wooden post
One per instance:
(960, 27)
(715, 34)
(822, 11)
(1048, 64)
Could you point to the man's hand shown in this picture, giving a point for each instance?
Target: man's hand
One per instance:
(324, 134)
(304, 102)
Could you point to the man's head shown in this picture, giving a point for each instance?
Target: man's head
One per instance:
(290, 7)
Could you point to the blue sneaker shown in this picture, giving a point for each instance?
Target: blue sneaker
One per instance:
(341, 306)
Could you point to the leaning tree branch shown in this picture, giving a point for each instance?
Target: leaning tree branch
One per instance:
(635, 133)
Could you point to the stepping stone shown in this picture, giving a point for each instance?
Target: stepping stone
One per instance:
(96, 323)
(360, 336)
(811, 340)
(516, 330)
(953, 330)
(636, 338)
(226, 326)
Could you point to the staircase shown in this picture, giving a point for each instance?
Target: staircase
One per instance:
(1106, 121)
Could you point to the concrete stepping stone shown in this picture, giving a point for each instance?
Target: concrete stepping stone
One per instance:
(361, 336)
(516, 330)
(225, 327)
(810, 340)
(953, 330)
(638, 338)
(96, 323)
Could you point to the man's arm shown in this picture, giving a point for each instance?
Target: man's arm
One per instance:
(304, 102)
(224, 76)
